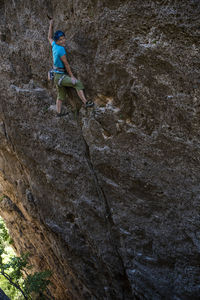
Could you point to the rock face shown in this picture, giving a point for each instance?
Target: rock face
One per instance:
(109, 198)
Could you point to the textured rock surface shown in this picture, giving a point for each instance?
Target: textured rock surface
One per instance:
(108, 200)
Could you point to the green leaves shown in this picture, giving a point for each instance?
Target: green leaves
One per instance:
(18, 264)
(4, 236)
(12, 269)
(37, 283)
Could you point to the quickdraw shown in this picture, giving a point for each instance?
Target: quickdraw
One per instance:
(50, 75)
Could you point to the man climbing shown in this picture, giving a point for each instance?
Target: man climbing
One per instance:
(63, 76)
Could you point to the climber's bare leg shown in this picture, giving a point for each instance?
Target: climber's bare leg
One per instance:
(58, 106)
(81, 96)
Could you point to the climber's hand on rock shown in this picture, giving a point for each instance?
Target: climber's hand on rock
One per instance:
(49, 17)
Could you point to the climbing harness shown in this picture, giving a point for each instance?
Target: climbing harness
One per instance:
(61, 79)
(52, 71)
(59, 69)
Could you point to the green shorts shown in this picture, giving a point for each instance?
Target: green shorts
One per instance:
(66, 82)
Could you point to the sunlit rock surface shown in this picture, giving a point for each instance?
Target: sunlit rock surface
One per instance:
(108, 198)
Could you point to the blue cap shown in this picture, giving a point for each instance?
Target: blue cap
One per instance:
(58, 34)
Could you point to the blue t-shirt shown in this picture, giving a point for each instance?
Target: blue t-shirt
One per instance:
(58, 51)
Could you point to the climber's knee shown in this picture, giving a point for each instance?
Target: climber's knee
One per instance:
(79, 86)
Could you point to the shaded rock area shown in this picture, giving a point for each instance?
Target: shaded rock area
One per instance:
(107, 198)
(3, 295)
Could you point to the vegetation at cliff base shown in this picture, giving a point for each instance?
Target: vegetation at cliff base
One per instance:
(15, 278)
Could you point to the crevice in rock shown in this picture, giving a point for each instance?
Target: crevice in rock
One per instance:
(7, 203)
(7, 136)
(113, 232)
(3, 130)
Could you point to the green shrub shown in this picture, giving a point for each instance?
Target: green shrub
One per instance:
(13, 267)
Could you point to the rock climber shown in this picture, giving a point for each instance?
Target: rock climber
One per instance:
(63, 76)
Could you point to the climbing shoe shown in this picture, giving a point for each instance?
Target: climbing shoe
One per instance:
(62, 114)
(89, 104)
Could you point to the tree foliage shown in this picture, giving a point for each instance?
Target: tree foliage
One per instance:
(12, 270)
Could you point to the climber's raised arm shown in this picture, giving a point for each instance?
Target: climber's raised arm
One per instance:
(50, 34)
